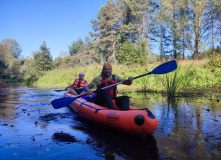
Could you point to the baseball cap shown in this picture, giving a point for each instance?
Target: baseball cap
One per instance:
(82, 74)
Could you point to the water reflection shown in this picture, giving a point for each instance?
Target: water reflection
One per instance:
(112, 145)
(189, 128)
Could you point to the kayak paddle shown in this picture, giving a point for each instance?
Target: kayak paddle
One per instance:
(161, 69)
(59, 90)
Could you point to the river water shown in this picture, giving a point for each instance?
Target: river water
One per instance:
(30, 128)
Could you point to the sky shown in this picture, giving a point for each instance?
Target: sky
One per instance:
(57, 22)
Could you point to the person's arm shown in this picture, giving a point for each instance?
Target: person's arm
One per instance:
(130, 81)
(88, 88)
(70, 86)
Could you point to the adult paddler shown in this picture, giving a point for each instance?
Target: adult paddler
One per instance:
(105, 97)
(78, 85)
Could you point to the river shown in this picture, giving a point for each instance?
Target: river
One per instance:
(30, 128)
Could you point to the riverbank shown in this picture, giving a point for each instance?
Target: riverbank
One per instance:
(201, 77)
(8, 80)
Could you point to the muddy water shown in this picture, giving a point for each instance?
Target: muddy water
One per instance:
(30, 128)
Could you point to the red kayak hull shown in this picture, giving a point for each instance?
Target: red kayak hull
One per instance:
(133, 121)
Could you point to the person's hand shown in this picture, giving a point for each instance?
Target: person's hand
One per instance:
(130, 79)
(89, 92)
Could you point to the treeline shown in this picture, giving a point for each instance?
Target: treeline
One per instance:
(128, 32)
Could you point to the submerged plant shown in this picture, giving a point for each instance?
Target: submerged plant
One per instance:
(176, 80)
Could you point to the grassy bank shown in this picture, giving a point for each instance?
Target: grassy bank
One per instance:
(8, 80)
(203, 76)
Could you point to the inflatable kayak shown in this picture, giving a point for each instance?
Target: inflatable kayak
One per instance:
(2, 83)
(133, 121)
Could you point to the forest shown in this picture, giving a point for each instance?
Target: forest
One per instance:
(128, 33)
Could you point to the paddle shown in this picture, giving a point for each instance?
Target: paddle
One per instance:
(161, 69)
(59, 90)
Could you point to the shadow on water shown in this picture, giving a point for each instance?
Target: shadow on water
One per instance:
(30, 128)
(107, 144)
(113, 144)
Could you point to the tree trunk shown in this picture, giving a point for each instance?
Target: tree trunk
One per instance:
(174, 32)
(212, 36)
(197, 41)
(161, 44)
(183, 44)
(105, 56)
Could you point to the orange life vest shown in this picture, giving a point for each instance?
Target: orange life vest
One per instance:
(77, 83)
(113, 89)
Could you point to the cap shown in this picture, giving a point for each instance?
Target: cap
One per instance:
(81, 74)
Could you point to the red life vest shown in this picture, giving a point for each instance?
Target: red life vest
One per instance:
(113, 89)
(77, 83)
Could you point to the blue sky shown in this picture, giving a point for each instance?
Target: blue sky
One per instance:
(57, 22)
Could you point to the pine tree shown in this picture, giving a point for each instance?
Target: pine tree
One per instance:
(76, 46)
(106, 29)
(43, 59)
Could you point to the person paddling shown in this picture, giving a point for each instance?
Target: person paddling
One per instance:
(107, 97)
(78, 85)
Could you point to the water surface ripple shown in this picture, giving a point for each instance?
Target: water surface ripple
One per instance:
(31, 129)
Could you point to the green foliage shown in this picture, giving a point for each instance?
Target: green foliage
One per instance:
(106, 29)
(125, 53)
(184, 78)
(214, 62)
(43, 60)
(176, 80)
(9, 63)
(130, 53)
(76, 46)
(12, 46)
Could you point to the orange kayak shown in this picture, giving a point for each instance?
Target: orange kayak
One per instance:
(133, 121)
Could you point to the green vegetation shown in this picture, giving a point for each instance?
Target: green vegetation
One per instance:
(177, 80)
(129, 33)
(190, 74)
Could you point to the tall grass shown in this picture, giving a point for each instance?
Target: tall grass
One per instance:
(196, 76)
(176, 80)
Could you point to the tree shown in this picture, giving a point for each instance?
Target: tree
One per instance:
(199, 13)
(13, 46)
(106, 29)
(43, 59)
(9, 64)
(76, 46)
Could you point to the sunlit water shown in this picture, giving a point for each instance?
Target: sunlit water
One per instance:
(30, 128)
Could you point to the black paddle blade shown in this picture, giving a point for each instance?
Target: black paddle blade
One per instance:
(62, 102)
(59, 90)
(165, 68)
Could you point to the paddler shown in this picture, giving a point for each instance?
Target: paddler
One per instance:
(78, 85)
(107, 97)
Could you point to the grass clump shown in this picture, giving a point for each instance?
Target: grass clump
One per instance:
(173, 82)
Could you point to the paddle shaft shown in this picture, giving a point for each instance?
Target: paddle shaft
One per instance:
(161, 69)
(121, 82)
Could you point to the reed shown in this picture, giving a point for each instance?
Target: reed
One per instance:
(173, 82)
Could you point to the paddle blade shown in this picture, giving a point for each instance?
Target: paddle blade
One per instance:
(59, 90)
(62, 102)
(165, 68)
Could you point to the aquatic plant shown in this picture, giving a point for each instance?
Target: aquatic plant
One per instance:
(173, 82)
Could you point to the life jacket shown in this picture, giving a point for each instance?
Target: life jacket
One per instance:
(113, 89)
(77, 83)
